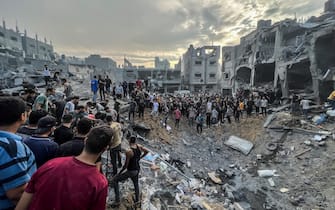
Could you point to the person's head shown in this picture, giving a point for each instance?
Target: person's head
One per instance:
(98, 140)
(67, 118)
(94, 77)
(46, 125)
(84, 126)
(109, 118)
(132, 140)
(99, 76)
(50, 91)
(12, 112)
(75, 99)
(107, 77)
(35, 116)
(63, 81)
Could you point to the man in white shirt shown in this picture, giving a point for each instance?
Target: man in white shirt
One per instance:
(155, 107)
(46, 74)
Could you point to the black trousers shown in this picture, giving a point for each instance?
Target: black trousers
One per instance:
(102, 93)
(133, 175)
(199, 128)
(115, 157)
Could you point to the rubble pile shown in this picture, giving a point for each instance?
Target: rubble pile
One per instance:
(287, 168)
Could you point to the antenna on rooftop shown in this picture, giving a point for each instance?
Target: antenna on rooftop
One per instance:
(16, 26)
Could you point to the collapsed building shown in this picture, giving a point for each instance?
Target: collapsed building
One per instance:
(288, 56)
(200, 68)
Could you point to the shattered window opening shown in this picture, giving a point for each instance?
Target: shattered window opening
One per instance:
(197, 75)
(13, 38)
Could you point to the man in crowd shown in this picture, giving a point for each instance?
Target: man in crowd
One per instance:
(102, 84)
(34, 117)
(17, 162)
(41, 101)
(64, 132)
(70, 183)
(76, 145)
(70, 106)
(40, 143)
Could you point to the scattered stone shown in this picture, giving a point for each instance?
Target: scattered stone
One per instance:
(284, 190)
(214, 178)
(239, 144)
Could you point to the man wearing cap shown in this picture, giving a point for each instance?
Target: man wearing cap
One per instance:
(42, 146)
(17, 162)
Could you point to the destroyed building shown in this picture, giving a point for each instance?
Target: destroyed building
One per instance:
(290, 56)
(161, 78)
(200, 68)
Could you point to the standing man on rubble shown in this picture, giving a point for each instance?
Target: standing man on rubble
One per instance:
(47, 75)
(94, 88)
(132, 168)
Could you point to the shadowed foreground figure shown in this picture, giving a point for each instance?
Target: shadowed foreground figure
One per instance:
(70, 183)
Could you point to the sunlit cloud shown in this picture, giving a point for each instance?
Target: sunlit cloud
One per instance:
(143, 29)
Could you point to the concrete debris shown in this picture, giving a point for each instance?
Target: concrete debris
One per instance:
(239, 144)
(284, 190)
(271, 182)
(267, 173)
(214, 178)
(303, 152)
(269, 119)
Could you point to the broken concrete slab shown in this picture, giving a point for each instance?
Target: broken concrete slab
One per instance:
(269, 120)
(239, 144)
(281, 108)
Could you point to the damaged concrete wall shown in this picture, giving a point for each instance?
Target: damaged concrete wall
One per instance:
(201, 68)
(289, 55)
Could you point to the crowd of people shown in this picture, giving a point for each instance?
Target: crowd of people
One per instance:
(51, 146)
(52, 134)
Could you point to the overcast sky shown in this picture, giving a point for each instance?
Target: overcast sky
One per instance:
(142, 29)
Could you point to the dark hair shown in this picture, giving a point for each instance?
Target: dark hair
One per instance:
(36, 115)
(100, 116)
(84, 126)
(109, 118)
(98, 139)
(50, 89)
(11, 109)
(132, 139)
(67, 118)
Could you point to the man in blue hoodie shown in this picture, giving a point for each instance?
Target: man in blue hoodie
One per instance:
(94, 88)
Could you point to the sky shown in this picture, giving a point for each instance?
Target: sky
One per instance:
(143, 29)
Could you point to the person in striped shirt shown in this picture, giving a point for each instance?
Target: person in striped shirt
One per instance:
(17, 162)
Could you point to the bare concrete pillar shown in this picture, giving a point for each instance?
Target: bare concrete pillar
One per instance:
(313, 69)
(252, 75)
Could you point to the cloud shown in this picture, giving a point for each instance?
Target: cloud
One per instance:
(147, 28)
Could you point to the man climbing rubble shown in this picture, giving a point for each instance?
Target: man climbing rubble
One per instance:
(132, 168)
